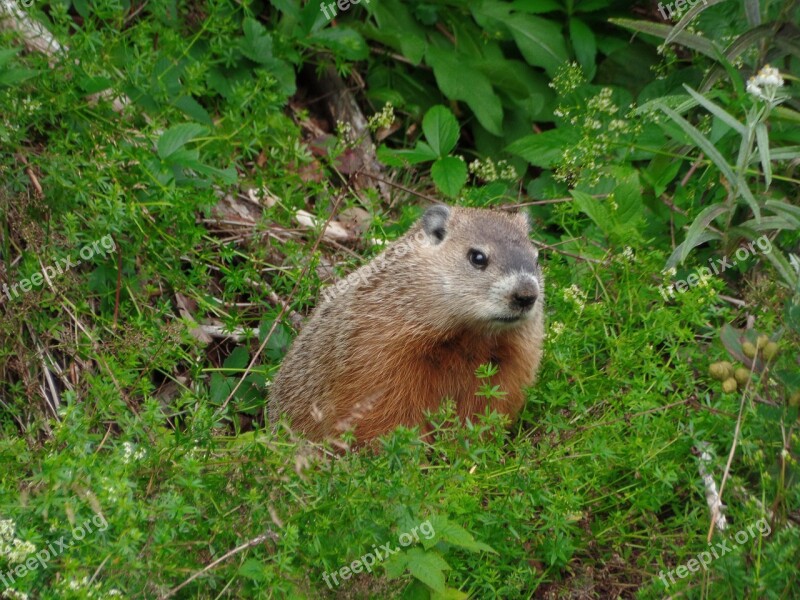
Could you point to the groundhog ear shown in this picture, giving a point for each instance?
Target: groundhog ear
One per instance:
(434, 222)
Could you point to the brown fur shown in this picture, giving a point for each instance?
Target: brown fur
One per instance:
(411, 329)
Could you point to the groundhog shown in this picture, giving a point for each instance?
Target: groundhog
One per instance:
(462, 288)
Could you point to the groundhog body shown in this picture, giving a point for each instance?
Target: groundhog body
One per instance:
(462, 288)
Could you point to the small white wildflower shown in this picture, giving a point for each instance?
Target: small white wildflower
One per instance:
(626, 255)
(7, 529)
(575, 295)
(129, 452)
(344, 131)
(488, 170)
(383, 119)
(20, 551)
(14, 595)
(557, 328)
(765, 84)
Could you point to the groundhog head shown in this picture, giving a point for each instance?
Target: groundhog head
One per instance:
(484, 264)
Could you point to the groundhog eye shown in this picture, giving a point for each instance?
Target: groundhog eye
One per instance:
(478, 259)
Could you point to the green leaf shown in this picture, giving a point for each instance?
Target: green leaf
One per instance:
(192, 108)
(9, 77)
(687, 18)
(456, 535)
(253, 569)
(690, 40)
(449, 174)
(468, 85)
(237, 359)
(785, 153)
(402, 158)
(540, 41)
(717, 111)
(257, 43)
(428, 566)
(345, 42)
(544, 149)
(628, 196)
(7, 55)
(788, 210)
(441, 129)
(711, 152)
(594, 209)
(585, 46)
(706, 236)
(699, 226)
(177, 136)
(449, 594)
(762, 140)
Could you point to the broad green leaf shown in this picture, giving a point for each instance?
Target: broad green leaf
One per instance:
(345, 42)
(441, 129)
(395, 565)
(585, 46)
(628, 196)
(192, 108)
(544, 149)
(397, 28)
(540, 41)
(467, 85)
(454, 534)
(449, 174)
(428, 566)
(762, 141)
(699, 226)
(237, 359)
(177, 136)
(10, 77)
(537, 6)
(257, 43)
(7, 55)
(403, 158)
(253, 569)
(717, 111)
(449, 594)
(594, 209)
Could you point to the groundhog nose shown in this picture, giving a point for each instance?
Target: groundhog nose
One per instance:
(523, 300)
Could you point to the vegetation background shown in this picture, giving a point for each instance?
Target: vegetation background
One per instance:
(224, 160)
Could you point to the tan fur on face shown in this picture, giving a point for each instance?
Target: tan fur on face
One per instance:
(411, 330)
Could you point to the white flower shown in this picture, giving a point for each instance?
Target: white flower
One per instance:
(383, 119)
(765, 84)
(626, 255)
(20, 551)
(129, 452)
(574, 294)
(6, 529)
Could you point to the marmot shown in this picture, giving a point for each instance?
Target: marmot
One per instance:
(462, 288)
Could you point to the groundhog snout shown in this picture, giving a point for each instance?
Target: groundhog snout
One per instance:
(524, 297)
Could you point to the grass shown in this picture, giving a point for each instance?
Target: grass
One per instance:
(114, 406)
